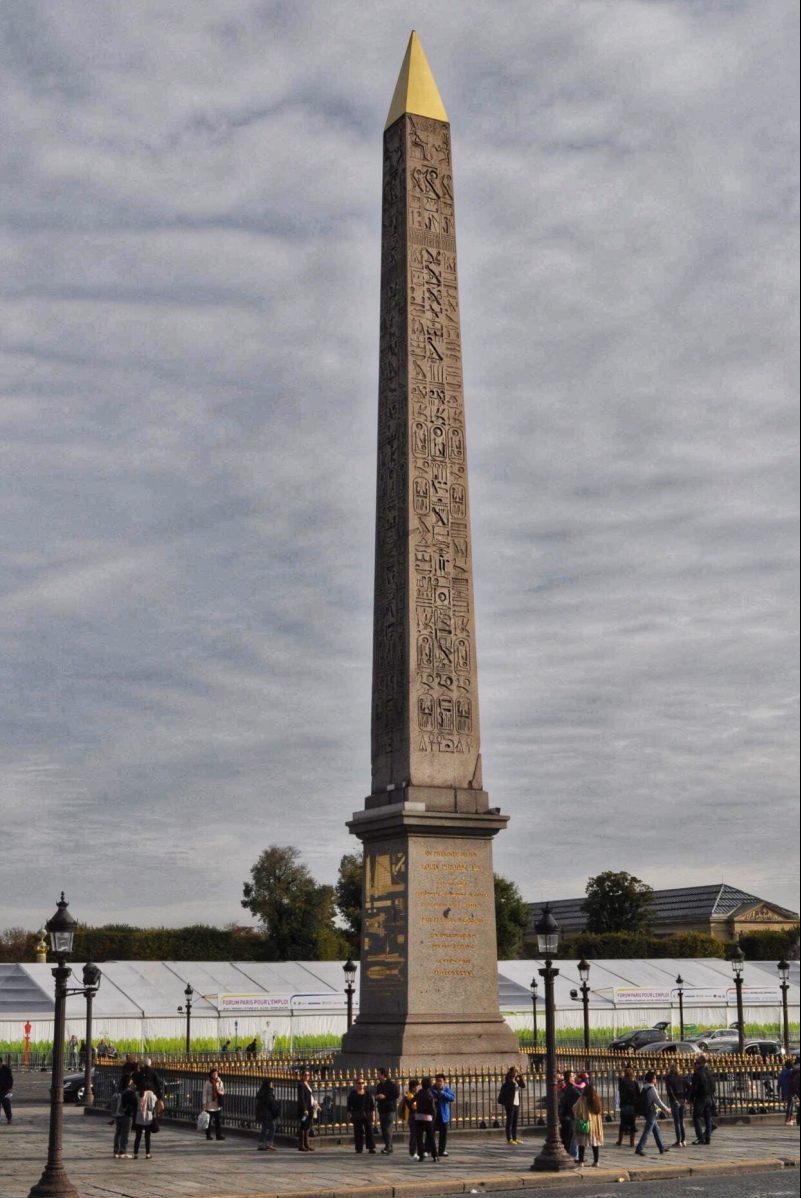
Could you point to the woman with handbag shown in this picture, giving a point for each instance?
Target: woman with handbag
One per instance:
(509, 1099)
(212, 1101)
(145, 1120)
(589, 1125)
(307, 1105)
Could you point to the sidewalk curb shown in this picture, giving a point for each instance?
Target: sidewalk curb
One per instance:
(431, 1188)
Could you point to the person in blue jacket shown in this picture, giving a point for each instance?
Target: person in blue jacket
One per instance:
(445, 1096)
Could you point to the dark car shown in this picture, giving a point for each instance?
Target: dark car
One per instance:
(634, 1040)
(73, 1086)
(751, 1048)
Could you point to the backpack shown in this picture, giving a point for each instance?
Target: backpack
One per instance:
(643, 1104)
(116, 1104)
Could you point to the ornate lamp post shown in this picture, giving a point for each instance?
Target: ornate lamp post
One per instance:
(584, 974)
(535, 1034)
(784, 974)
(552, 1157)
(91, 985)
(737, 958)
(54, 1182)
(349, 969)
(188, 992)
(680, 984)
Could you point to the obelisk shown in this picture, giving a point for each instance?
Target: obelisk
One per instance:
(428, 978)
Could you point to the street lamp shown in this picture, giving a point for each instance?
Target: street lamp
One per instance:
(552, 1157)
(188, 992)
(784, 973)
(535, 1036)
(349, 969)
(584, 974)
(680, 984)
(91, 985)
(737, 958)
(54, 1182)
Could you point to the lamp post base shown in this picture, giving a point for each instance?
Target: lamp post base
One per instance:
(54, 1183)
(552, 1158)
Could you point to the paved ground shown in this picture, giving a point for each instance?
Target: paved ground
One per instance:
(781, 1184)
(184, 1165)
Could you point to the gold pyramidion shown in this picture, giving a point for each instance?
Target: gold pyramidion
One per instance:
(416, 91)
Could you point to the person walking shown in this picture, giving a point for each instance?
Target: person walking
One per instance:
(628, 1094)
(212, 1103)
(143, 1119)
(124, 1111)
(651, 1105)
(307, 1105)
(509, 1099)
(676, 1089)
(589, 1124)
(406, 1112)
(268, 1112)
(425, 1113)
(785, 1084)
(6, 1089)
(445, 1098)
(361, 1110)
(702, 1096)
(386, 1094)
(568, 1097)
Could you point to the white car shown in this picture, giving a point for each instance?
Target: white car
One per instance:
(718, 1035)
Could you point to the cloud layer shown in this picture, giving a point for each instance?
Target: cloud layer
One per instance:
(189, 234)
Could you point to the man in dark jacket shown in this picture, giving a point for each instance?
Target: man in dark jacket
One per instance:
(568, 1097)
(702, 1096)
(146, 1076)
(361, 1108)
(6, 1086)
(386, 1094)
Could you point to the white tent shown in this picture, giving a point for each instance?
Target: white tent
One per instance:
(139, 1000)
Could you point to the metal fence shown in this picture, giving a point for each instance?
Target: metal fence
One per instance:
(743, 1087)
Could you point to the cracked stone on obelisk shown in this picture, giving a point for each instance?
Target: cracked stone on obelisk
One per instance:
(428, 978)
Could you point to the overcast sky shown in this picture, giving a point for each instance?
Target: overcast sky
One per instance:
(189, 270)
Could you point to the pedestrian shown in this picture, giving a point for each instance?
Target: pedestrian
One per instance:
(651, 1105)
(73, 1051)
(268, 1113)
(676, 1088)
(124, 1107)
(509, 1099)
(252, 1049)
(425, 1113)
(568, 1097)
(226, 1048)
(212, 1102)
(145, 1075)
(589, 1124)
(6, 1089)
(386, 1094)
(144, 1119)
(628, 1093)
(406, 1112)
(445, 1098)
(361, 1110)
(307, 1105)
(81, 1054)
(702, 1096)
(785, 1084)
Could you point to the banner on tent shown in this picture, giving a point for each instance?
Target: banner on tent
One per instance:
(229, 1004)
(693, 995)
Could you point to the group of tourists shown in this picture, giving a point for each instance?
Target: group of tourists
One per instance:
(424, 1109)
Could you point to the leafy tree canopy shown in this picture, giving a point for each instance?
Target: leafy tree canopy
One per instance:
(511, 918)
(296, 913)
(348, 892)
(618, 902)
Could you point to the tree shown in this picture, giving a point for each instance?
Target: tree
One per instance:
(295, 912)
(511, 918)
(17, 945)
(618, 902)
(348, 891)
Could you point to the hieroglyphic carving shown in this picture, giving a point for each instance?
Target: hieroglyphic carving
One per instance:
(423, 630)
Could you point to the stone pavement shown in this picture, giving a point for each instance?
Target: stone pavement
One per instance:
(184, 1165)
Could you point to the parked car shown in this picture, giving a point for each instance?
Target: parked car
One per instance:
(73, 1086)
(671, 1046)
(632, 1041)
(718, 1035)
(752, 1048)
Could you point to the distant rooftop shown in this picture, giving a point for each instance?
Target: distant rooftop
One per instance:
(687, 904)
